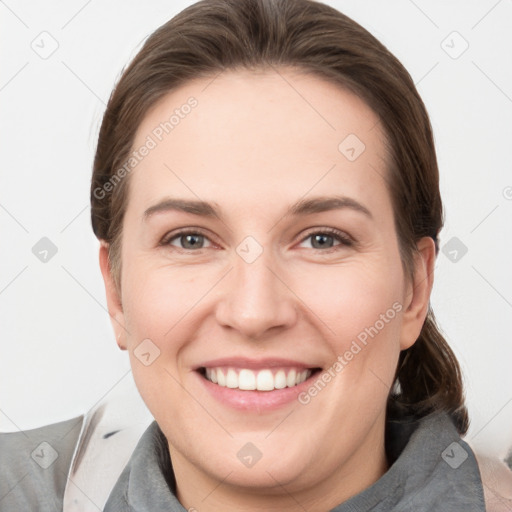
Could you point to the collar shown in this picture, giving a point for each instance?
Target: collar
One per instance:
(109, 434)
(434, 470)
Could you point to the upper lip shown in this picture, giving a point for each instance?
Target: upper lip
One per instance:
(255, 364)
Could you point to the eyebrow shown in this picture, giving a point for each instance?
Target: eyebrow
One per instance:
(300, 208)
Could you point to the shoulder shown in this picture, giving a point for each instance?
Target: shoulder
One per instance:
(497, 483)
(74, 464)
(34, 465)
(110, 433)
(435, 468)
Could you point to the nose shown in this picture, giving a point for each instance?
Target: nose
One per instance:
(256, 299)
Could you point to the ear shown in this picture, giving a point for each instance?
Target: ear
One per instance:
(417, 294)
(114, 304)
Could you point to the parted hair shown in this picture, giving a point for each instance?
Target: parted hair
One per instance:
(212, 36)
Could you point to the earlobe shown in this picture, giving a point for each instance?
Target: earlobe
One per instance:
(114, 304)
(417, 296)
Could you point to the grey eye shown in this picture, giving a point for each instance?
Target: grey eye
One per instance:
(321, 240)
(188, 241)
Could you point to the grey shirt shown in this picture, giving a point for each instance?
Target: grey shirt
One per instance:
(433, 469)
(34, 466)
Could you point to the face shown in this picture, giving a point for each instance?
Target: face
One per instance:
(263, 296)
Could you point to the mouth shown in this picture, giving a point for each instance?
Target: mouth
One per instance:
(255, 386)
(262, 379)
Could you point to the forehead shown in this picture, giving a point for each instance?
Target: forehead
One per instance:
(259, 134)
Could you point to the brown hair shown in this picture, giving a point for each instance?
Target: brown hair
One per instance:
(215, 35)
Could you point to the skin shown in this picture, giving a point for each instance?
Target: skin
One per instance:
(256, 143)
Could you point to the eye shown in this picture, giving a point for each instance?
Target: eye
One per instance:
(327, 238)
(187, 240)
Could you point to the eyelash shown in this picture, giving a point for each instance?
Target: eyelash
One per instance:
(340, 236)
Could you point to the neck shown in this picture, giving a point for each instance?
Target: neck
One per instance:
(197, 490)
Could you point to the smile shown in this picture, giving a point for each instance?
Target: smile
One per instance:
(255, 385)
(266, 379)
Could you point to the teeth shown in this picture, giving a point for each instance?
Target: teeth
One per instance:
(246, 380)
(291, 378)
(262, 380)
(231, 379)
(280, 380)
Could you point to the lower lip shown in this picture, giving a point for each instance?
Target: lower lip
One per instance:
(255, 400)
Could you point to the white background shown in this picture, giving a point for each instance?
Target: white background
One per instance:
(58, 353)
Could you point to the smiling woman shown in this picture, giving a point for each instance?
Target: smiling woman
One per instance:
(274, 246)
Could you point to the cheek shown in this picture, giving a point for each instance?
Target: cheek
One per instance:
(350, 300)
(154, 304)
(156, 300)
(359, 310)
(159, 316)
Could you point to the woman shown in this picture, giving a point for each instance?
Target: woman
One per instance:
(265, 190)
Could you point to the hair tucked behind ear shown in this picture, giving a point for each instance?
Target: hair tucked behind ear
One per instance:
(432, 367)
(216, 35)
